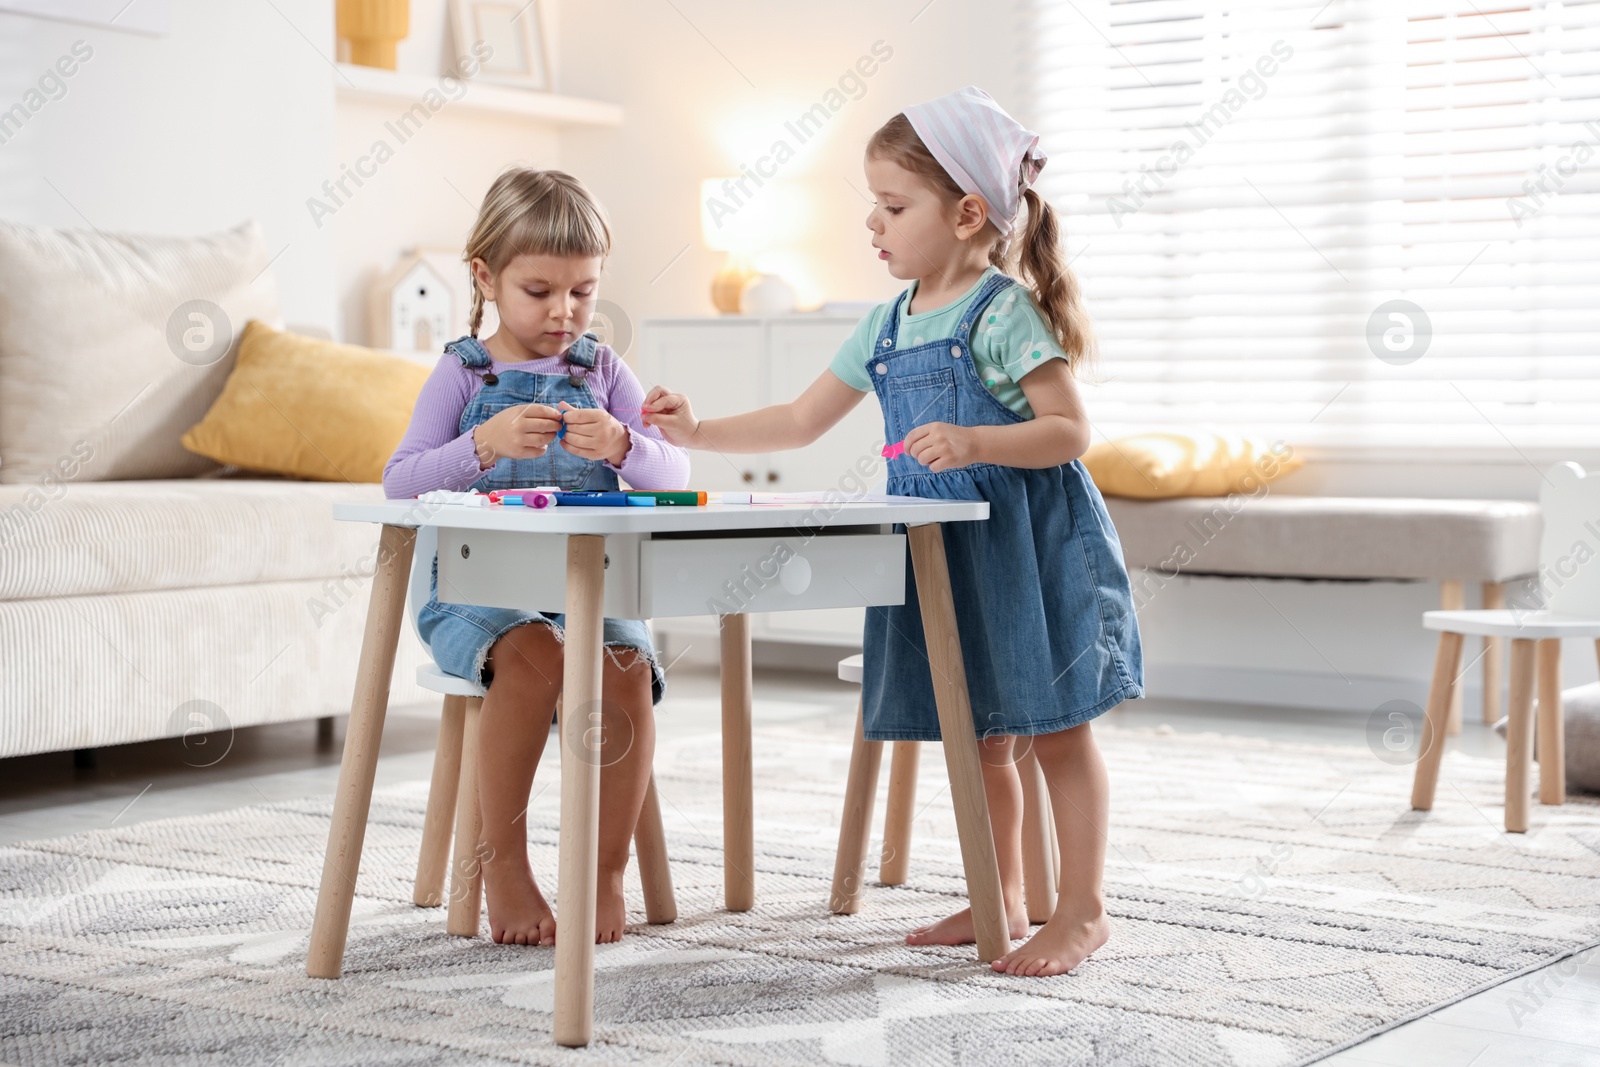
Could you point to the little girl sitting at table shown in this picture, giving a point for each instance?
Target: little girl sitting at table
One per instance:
(488, 418)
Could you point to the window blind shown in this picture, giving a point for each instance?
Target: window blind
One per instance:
(1353, 223)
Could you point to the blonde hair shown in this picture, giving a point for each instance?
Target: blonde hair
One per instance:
(533, 212)
(1039, 257)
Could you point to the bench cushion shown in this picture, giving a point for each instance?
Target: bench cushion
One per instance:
(1331, 537)
(128, 537)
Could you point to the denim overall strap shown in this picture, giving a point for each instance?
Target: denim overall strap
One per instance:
(992, 288)
(470, 351)
(583, 351)
(474, 356)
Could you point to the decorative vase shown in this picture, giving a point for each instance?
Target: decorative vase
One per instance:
(767, 294)
(373, 28)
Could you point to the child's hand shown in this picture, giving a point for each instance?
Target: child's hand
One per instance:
(521, 432)
(594, 433)
(670, 413)
(939, 446)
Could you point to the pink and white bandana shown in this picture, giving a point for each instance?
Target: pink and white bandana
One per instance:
(985, 150)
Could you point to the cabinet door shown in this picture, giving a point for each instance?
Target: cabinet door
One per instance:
(720, 367)
(847, 457)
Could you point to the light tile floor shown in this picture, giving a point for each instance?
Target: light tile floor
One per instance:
(47, 796)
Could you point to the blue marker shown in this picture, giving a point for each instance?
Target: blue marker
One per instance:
(604, 498)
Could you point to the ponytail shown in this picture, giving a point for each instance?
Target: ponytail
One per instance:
(1044, 268)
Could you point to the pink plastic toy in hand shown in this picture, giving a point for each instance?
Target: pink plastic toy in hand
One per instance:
(896, 449)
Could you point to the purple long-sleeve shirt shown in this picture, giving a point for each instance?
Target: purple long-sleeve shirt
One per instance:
(433, 455)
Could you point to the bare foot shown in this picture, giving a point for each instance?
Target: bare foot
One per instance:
(957, 929)
(518, 913)
(610, 910)
(1060, 945)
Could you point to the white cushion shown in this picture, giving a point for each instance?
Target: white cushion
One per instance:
(129, 537)
(102, 366)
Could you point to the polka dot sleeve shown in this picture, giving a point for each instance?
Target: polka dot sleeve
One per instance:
(1012, 340)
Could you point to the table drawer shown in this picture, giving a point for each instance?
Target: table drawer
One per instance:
(720, 575)
(505, 569)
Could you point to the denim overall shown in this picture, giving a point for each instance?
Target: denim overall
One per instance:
(460, 635)
(1042, 598)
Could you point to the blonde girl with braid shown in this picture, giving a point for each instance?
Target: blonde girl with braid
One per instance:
(489, 418)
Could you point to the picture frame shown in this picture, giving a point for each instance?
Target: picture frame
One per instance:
(515, 33)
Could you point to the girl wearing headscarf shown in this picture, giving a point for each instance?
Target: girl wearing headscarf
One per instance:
(975, 370)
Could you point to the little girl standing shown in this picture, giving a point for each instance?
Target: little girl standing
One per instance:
(974, 372)
(487, 418)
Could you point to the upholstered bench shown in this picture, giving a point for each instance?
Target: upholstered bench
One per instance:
(1452, 542)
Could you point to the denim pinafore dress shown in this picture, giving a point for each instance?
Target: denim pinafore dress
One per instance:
(1042, 597)
(460, 635)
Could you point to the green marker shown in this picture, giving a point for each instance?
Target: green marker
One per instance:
(666, 499)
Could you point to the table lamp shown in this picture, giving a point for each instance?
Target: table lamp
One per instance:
(732, 221)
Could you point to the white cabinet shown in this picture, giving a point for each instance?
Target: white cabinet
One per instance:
(737, 363)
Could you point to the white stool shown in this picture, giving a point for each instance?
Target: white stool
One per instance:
(453, 792)
(1041, 857)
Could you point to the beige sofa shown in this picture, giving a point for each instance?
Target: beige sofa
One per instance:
(145, 609)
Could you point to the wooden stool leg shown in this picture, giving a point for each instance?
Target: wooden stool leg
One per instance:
(358, 766)
(1519, 734)
(1039, 875)
(1494, 653)
(960, 738)
(650, 842)
(434, 856)
(1552, 740)
(738, 804)
(580, 791)
(1452, 597)
(1426, 777)
(466, 869)
(855, 824)
(895, 859)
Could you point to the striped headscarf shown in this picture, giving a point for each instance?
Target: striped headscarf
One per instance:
(985, 150)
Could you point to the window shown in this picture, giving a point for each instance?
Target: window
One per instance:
(1353, 223)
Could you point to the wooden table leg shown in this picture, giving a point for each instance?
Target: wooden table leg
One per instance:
(433, 858)
(960, 740)
(359, 765)
(1552, 743)
(580, 791)
(895, 859)
(1039, 869)
(1426, 777)
(1452, 597)
(855, 824)
(1494, 653)
(738, 799)
(1519, 734)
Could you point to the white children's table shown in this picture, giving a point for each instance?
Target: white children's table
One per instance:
(643, 563)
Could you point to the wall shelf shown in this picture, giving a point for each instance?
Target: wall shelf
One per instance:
(374, 86)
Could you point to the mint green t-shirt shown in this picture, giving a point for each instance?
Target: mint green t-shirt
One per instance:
(1011, 340)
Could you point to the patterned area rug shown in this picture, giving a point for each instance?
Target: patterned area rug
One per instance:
(1271, 903)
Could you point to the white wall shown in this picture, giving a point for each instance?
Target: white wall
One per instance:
(710, 88)
(227, 117)
(428, 193)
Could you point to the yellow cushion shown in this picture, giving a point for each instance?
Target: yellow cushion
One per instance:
(1199, 463)
(309, 409)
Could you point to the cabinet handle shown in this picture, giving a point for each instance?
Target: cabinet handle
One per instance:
(772, 476)
(749, 476)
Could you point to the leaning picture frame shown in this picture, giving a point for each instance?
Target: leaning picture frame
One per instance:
(514, 33)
